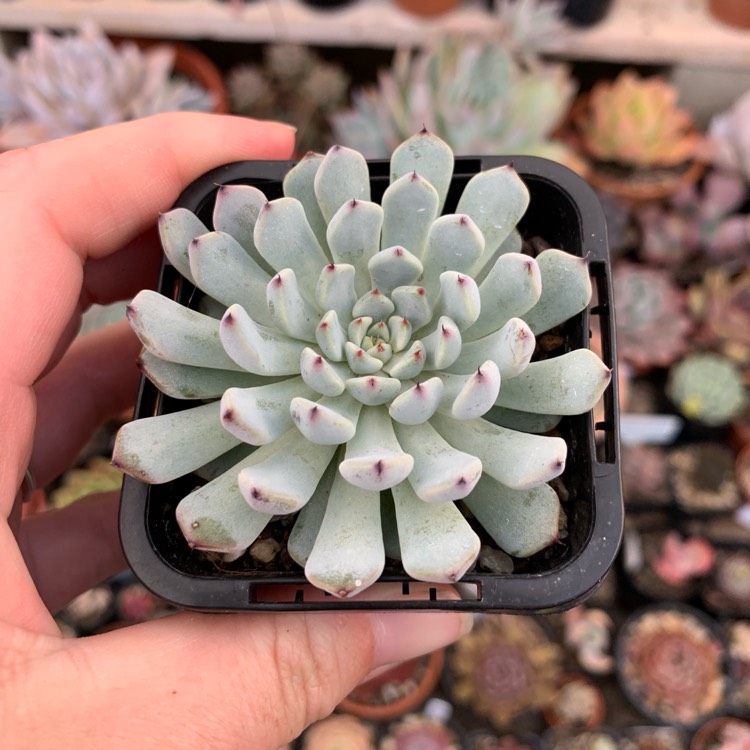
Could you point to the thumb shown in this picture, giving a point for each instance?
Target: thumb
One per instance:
(230, 681)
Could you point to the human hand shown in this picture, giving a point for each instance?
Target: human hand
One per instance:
(79, 217)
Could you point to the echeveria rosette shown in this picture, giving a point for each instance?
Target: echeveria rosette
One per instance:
(359, 349)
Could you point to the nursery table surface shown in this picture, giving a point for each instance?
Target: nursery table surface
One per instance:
(638, 31)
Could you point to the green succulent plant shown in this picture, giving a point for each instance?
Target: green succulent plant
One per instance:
(475, 94)
(359, 347)
(707, 387)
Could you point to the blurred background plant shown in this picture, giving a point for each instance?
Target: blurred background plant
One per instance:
(67, 83)
(481, 95)
(293, 84)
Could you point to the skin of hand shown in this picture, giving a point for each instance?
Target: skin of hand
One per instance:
(79, 217)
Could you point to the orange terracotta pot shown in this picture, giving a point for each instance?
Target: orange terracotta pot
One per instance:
(417, 677)
(732, 12)
(427, 7)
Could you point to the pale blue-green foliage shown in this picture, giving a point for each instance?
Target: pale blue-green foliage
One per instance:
(360, 347)
(476, 95)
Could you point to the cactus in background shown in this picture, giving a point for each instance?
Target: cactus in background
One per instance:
(708, 388)
(636, 122)
(295, 85)
(362, 344)
(652, 321)
(66, 84)
(474, 94)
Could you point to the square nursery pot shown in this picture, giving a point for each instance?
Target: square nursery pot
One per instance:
(563, 211)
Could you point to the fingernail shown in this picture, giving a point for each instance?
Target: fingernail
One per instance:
(400, 636)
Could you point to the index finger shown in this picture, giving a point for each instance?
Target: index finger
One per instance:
(80, 198)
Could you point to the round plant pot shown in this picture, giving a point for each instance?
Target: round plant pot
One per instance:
(197, 67)
(586, 12)
(731, 12)
(427, 8)
(710, 736)
(672, 664)
(396, 692)
(562, 209)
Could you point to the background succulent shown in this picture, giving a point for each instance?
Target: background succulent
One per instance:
(360, 346)
(68, 83)
(708, 388)
(652, 319)
(295, 85)
(474, 94)
(635, 121)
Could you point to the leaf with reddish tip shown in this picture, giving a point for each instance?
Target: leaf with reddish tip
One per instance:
(510, 348)
(412, 303)
(236, 213)
(285, 474)
(374, 460)
(357, 329)
(291, 312)
(343, 174)
(400, 332)
(348, 554)
(453, 243)
(177, 334)
(372, 390)
(374, 305)
(260, 415)
(437, 543)
(216, 518)
(162, 448)
(284, 238)
(322, 376)
(335, 290)
(569, 384)
(393, 267)
(443, 346)
(360, 362)
(408, 364)
(328, 421)
(458, 299)
(418, 403)
(354, 237)
(471, 396)
(430, 156)
(511, 289)
(496, 199)
(441, 473)
(566, 290)
(257, 348)
(177, 229)
(522, 522)
(411, 205)
(516, 459)
(223, 270)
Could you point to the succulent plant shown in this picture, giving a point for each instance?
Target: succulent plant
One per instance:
(588, 632)
(293, 84)
(729, 138)
(702, 476)
(721, 307)
(66, 84)
(504, 668)
(360, 346)
(652, 319)
(529, 27)
(708, 388)
(683, 559)
(474, 94)
(699, 221)
(636, 122)
(671, 664)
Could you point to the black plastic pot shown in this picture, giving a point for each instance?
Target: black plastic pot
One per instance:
(566, 213)
(586, 12)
